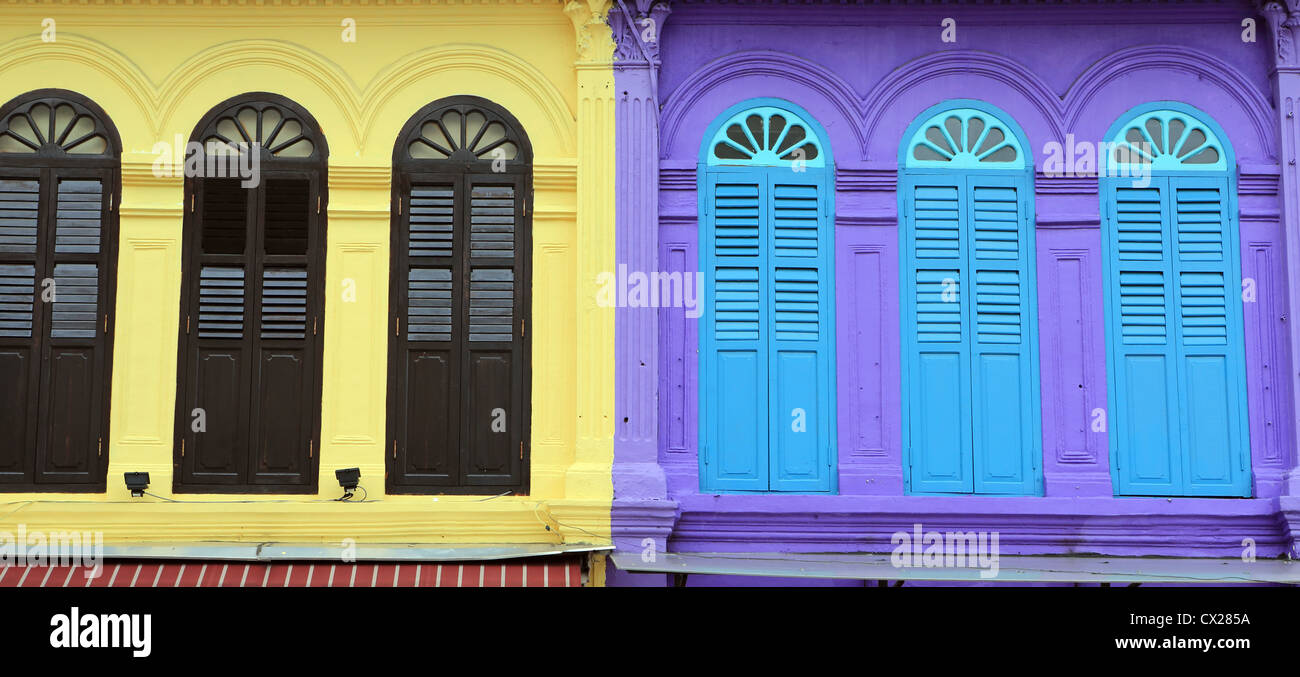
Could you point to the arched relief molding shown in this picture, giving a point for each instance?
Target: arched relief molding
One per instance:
(884, 96)
(1238, 88)
(1063, 113)
(168, 103)
(112, 65)
(181, 91)
(543, 100)
(685, 99)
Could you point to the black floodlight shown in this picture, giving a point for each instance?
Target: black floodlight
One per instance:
(348, 478)
(137, 482)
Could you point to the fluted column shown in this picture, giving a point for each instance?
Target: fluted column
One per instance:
(1283, 20)
(589, 475)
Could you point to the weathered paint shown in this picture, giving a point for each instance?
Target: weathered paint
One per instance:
(158, 69)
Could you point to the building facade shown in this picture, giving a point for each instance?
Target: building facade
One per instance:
(1024, 269)
(393, 288)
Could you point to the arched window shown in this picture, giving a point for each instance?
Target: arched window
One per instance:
(60, 164)
(1175, 343)
(971, 419)
(248, 410)
(459, 380)
(767, 351)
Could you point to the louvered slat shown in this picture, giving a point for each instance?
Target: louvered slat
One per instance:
(796, 304)
(938, 318)
(1200, 224)
(1204, 308)
(428, 307)
(19, 203)
(996, 223)
(76, 300)
(288, 206)
(221, 302)
(224, 215)
(79, 217)
(1137, 224)
(1143, 316)
(794, 220)
(492, 221)
(736, 304)
(491, 304)
(936, 215)
(431, 221)
(997, 306)
(17, 296)
(736, 213)
(284, 303)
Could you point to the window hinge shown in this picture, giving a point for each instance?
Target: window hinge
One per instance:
(191, 203)
(105, 323)
(311, 447)
(317, 204)
(313, 325)
(521, 450)
(397, 326)
(182, 447)
(394, 448)
(110, 203)
(101, 446)
(187, 324)
(399, 206)
(523, 328)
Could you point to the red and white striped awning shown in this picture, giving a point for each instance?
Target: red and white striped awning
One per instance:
(552, 572)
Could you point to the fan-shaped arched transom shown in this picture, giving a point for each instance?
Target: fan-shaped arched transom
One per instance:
(1167, 140)
(464, 129)
(965, 138)
(52, 125)
(282, 132)
(766, 136)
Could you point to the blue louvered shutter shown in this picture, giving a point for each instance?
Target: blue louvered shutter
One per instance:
(733, 395)
(936, 348)
(1004, 401)
(1211, 362)
(1142, 345)
(800, 395)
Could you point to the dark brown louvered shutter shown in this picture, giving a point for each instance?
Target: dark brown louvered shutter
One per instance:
(218, 337)
(493, 384)
(59, 176)
(287, 326)
(252, 327)
(459, 376)
(76, 378)
(20, 324)
(427, 335)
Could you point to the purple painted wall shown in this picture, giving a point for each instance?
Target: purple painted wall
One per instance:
(865, 72)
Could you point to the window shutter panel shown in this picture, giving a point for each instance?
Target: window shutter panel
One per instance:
(75, 381)
(734, 393)
(936, 333)
(800, 330)
(220, 340)
(1211, 358)
(426, 378)
(287, 327)
(493, 349)
(1143, 421)
(20, 326)
(1004, 401)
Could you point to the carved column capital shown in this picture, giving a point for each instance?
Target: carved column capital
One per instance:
(594, 41)
(637, 42)
(1283, 18)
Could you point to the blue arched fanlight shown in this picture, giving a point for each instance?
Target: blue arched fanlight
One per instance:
(964, 138)
(1165, 139)
(765, 136)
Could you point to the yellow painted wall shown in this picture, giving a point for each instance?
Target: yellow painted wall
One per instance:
(156, 69)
